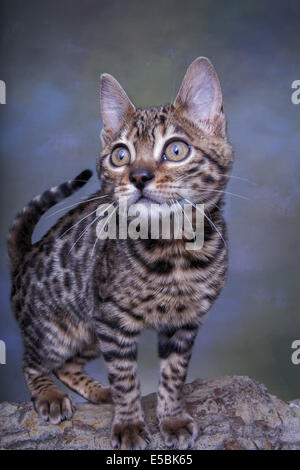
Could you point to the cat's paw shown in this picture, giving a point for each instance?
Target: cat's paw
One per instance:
(130, 435)
(54, 406)
(99, 394)
(179, 432)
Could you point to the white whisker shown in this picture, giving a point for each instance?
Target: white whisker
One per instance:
(98, 236)
(77, 204)
(184, 214)
(209, 220)
(88, 226)
(83, 218)
(214, 191)
(240, 178)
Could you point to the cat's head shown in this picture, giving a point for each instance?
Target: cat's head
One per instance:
(174, 152)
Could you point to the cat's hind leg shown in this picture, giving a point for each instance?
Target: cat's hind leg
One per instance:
(73, 375)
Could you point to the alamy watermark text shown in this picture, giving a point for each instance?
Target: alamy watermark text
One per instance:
(2, 352)
(154, 221)
(295, 97)
(2, 92)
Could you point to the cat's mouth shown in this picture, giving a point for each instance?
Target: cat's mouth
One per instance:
(146, 200)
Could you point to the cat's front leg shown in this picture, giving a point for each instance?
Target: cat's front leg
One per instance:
(119, 348)
(178, 428)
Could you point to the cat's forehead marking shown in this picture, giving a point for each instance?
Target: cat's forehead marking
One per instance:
(149, 130)
(146, 121)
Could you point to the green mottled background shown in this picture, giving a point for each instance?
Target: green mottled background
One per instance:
(51, 56)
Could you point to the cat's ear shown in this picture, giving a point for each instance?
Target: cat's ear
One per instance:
(200, 97)
(115, 106)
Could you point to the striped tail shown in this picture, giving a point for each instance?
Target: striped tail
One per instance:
(19, 241)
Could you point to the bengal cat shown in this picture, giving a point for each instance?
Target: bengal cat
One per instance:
(75, 295)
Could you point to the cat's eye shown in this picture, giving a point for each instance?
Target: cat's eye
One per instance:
(176, 151)
(120, 156)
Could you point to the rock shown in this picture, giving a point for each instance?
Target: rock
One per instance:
(233, 413)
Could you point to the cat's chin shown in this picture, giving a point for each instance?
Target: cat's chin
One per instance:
(147, 202)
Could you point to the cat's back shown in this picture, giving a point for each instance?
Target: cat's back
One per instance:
(57, 267)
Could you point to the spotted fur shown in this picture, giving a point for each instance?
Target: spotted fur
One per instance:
(75, 296)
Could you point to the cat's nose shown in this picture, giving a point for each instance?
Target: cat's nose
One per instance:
(139, 177)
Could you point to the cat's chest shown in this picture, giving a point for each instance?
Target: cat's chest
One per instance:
(173, 302)
(162, 286)
(172, 297)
